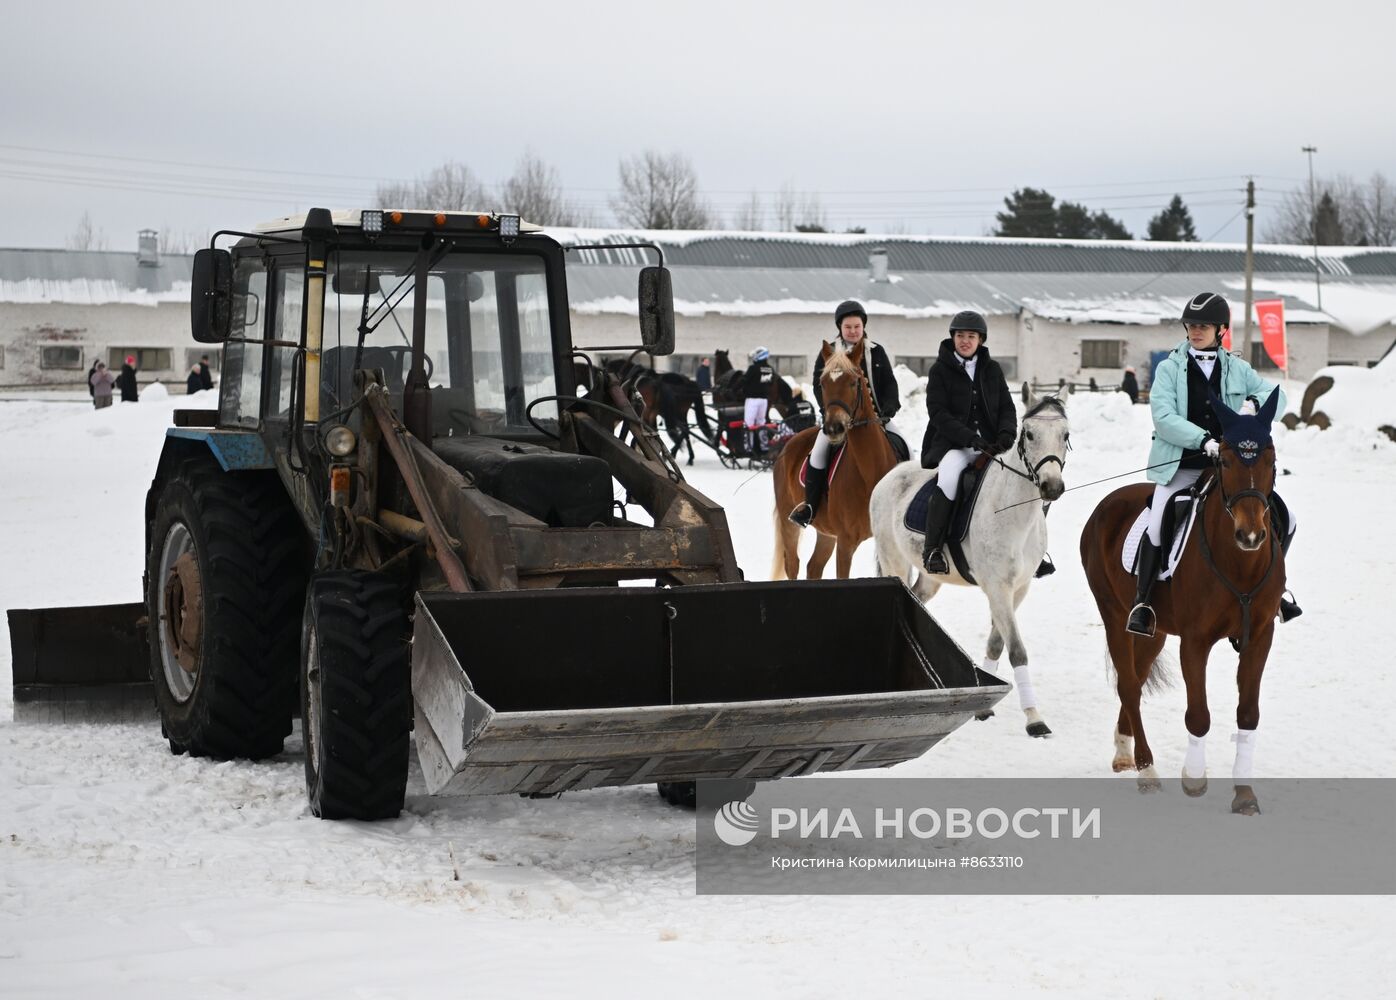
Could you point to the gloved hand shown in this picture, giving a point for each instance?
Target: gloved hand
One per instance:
(979, 444)
(1212, 447)
(1003, 442)
(1248, 408)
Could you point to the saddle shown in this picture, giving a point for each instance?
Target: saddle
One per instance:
(898, 445)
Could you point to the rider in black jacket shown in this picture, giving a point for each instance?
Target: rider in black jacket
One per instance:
(851, 320)
(971, 411)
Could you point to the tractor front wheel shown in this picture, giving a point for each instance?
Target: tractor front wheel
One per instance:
(356, 696)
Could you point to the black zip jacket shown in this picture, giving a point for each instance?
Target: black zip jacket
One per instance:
(962, 409)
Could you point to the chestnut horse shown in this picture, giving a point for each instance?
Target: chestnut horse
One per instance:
(727, 387)
(1227, 584)
(843, 519)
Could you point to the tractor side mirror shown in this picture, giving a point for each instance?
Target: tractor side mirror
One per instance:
(211, 298)
(656, 311)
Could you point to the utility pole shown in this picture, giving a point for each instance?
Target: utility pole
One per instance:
(1250, 267)
(1313, 225)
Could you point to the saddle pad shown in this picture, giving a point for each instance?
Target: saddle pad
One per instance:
(1180, 537)
(970, 481)
(833, 466)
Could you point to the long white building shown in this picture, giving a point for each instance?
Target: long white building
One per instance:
(1057, 309)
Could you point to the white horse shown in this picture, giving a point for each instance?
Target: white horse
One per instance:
(1007, 536)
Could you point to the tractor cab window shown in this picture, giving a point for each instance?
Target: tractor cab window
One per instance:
(241, 385)
(489, 346)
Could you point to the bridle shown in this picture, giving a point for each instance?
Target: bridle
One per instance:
(853, 421)
(1034, 473)
(1244, 598)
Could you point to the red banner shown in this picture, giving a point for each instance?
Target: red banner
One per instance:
(1271, 314)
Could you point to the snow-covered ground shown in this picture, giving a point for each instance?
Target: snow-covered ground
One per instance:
(128, 872)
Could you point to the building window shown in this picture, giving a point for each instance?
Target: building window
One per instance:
(1260, 359)
(60, 357)
(147, 358)
(193, 354)
(2, 355)
(1009, 364)
(920, 364)
(1101, 354)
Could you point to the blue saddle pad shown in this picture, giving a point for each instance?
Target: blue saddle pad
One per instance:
(970, 481)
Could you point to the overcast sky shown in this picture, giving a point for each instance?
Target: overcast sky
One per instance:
(915, 117)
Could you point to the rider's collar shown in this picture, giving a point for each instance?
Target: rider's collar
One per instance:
(1202, 355)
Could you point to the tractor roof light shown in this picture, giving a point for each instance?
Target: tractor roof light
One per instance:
(371, 221)
(509, 227)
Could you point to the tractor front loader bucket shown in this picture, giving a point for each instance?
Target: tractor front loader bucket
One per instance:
(80, 664)
(551, 691)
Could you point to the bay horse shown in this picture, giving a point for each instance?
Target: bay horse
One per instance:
(1227, 585)
(667, 396)
(850, 420)
(1006, 540)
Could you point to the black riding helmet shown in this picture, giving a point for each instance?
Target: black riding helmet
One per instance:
(970, 320)
(847, 309)
(1207, 307)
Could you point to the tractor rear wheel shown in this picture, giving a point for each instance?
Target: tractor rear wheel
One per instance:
(356, 696)
(225, 578)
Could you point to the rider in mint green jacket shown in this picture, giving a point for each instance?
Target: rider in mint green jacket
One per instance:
(1187, 433)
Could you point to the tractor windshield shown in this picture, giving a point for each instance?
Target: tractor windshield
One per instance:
(489, 345)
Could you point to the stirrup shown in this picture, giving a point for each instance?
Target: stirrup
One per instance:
(1141, 620)
(803, 514)
(1288, 609)
(935, 563)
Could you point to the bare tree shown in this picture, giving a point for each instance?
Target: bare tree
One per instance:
(535, 193)
(182, 242)
(750, 216)
(1350, 213)
(660, 192)
(451, 187)
(85, 237)
(799, 211)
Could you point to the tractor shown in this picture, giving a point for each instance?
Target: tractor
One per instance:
(412, 519)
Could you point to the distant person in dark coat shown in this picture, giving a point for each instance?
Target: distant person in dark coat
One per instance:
(126, 381)
(99, 384)
(971, 411)
(91, 390)
(205, 374)
(704, 377)
(195, 382)
(1129, 385)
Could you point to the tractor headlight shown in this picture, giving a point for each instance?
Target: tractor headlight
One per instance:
(509, 226)
(371, 220)
(340, 441)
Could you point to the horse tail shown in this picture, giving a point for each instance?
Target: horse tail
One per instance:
(1162, 671)
(700, 413)
(777, 550)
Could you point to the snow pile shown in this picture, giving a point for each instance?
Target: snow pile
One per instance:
(1361, 398)
(909, 385)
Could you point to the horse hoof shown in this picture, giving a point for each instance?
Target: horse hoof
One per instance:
(1194, 787)
(1245, 804)
(984, 716)
(1148, 781)
(1038, 729)
(1122, 764)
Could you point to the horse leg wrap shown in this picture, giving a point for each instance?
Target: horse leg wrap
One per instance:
(990, 666)
(1195, 763)
(1245, 756)
(1026, 698)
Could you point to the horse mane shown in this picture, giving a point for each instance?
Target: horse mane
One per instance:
(841, 362)
(1047, 402)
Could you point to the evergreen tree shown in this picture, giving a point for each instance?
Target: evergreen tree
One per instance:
(1107, 227)
(1328, 227)
(1074, 222)
(1173, 224)
(1030, 212)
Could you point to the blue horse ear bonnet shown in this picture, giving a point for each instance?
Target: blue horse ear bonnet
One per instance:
(1247, 434)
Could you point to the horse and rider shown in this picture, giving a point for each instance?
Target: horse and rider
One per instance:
(1225, 565)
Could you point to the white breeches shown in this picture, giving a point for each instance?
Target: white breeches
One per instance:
(951, 466)
(1162, 491)
(754, 414)
(819, 454)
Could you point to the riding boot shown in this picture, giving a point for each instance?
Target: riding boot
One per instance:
(1141, 616)
(1288, 609)
(816, 484)
(937, 523)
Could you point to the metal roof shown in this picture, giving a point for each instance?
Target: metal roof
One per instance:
(118, 267)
